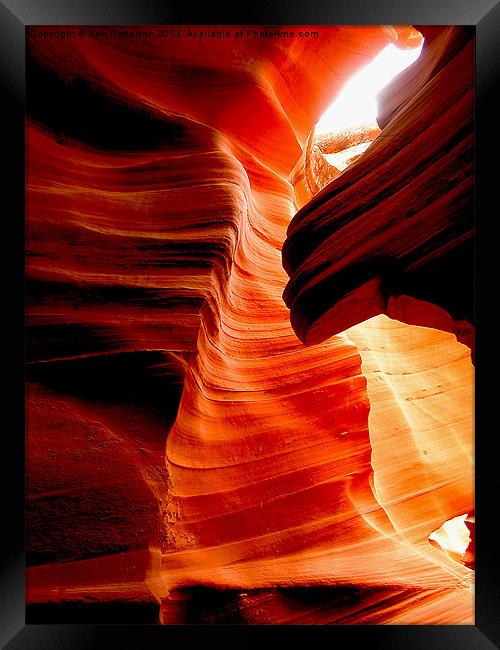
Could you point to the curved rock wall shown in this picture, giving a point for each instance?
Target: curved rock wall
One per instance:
(393, 234)
(158, 203)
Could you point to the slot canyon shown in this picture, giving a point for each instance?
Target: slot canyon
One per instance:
(250, 345)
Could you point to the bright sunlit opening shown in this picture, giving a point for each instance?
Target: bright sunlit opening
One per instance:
(357, 102)
(453, 536)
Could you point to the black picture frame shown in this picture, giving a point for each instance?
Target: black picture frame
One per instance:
(14, 16)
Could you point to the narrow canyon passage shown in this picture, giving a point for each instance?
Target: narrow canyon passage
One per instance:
(287, 466)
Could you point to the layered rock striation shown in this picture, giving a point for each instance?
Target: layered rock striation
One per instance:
(183, 444)
(393, 234)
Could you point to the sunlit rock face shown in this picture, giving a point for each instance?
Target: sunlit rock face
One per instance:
(187, 453)
(393, 233)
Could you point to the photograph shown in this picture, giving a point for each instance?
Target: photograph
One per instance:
(249, 369)
(246, 261)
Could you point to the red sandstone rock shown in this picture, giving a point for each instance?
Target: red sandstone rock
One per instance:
(393, 233)
(155, 266)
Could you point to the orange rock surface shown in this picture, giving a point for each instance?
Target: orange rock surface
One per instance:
(394, 233)
(186, 452)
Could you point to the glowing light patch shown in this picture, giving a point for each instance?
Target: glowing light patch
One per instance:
(357, 102)
(453, 536)
(342, 159)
